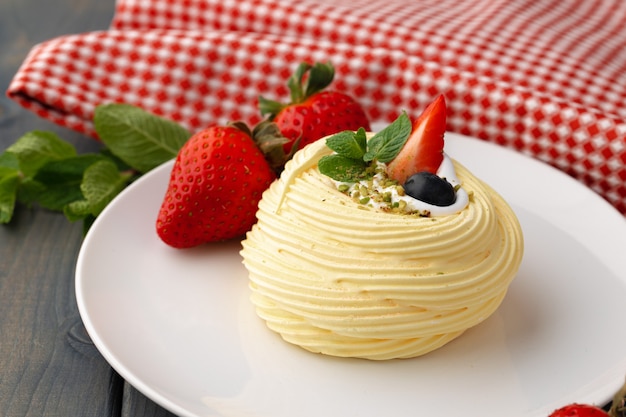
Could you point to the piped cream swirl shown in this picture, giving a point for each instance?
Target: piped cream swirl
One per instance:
(338, 278)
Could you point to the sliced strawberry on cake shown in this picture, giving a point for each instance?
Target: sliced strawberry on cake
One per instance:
(423, 150)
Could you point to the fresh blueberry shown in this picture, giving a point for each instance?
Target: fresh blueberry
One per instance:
(430, 188)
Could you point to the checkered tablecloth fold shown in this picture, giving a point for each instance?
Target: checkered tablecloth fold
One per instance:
(545, 78)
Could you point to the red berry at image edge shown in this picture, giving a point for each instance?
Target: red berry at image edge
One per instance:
(579, 410)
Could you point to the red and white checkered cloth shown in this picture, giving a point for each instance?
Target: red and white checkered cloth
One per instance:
(547, 78)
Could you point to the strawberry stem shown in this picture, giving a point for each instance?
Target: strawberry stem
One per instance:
(306, 81)
(301, 86)
(270, 141)
(270, 107)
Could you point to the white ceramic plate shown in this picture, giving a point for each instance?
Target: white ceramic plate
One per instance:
(179, 327)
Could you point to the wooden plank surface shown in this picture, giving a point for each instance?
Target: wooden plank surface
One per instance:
(48, 365)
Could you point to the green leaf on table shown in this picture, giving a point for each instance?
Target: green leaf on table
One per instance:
(386, 144)
(8, 191)
(41, 168)
(101, 183)
(77, 210)
(9, 160)
(67, 169)
(36, 148)
(9, 183)
(57, 183)
(139, 138)
(121, 165)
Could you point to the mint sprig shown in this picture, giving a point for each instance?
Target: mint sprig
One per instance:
(141, 139)
(355, 157)
(41, 168)
(9, 184)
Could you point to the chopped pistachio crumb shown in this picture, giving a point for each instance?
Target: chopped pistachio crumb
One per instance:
(382, 193)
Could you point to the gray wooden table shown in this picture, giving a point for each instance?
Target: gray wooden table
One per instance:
(48, 365)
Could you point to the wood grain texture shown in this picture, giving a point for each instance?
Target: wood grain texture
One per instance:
(48, 364)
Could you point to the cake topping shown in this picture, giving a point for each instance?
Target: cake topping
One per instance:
(430, 188)
(355, 157)
(402, 168)
(424, 148)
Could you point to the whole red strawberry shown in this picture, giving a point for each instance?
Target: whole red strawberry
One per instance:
(579, 410)
(215, 186)
(313, 113)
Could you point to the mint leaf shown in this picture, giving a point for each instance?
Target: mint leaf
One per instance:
(121, 165)
(101, 183)
(386, 144)
(9, 182)
(77, 210)
(36, 148)
(68, 169)
(342, 169)
(57, 183)
(355, 156)
(9, 160)
(51, 197)
(349, 144)
(9, 185)
(42, 168)
(139, 138)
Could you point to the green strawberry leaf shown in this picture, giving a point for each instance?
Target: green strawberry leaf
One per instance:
(139, 138)
(36, 148)
(386, 144)
(320, 77)
(349, 144)
(342, 169)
